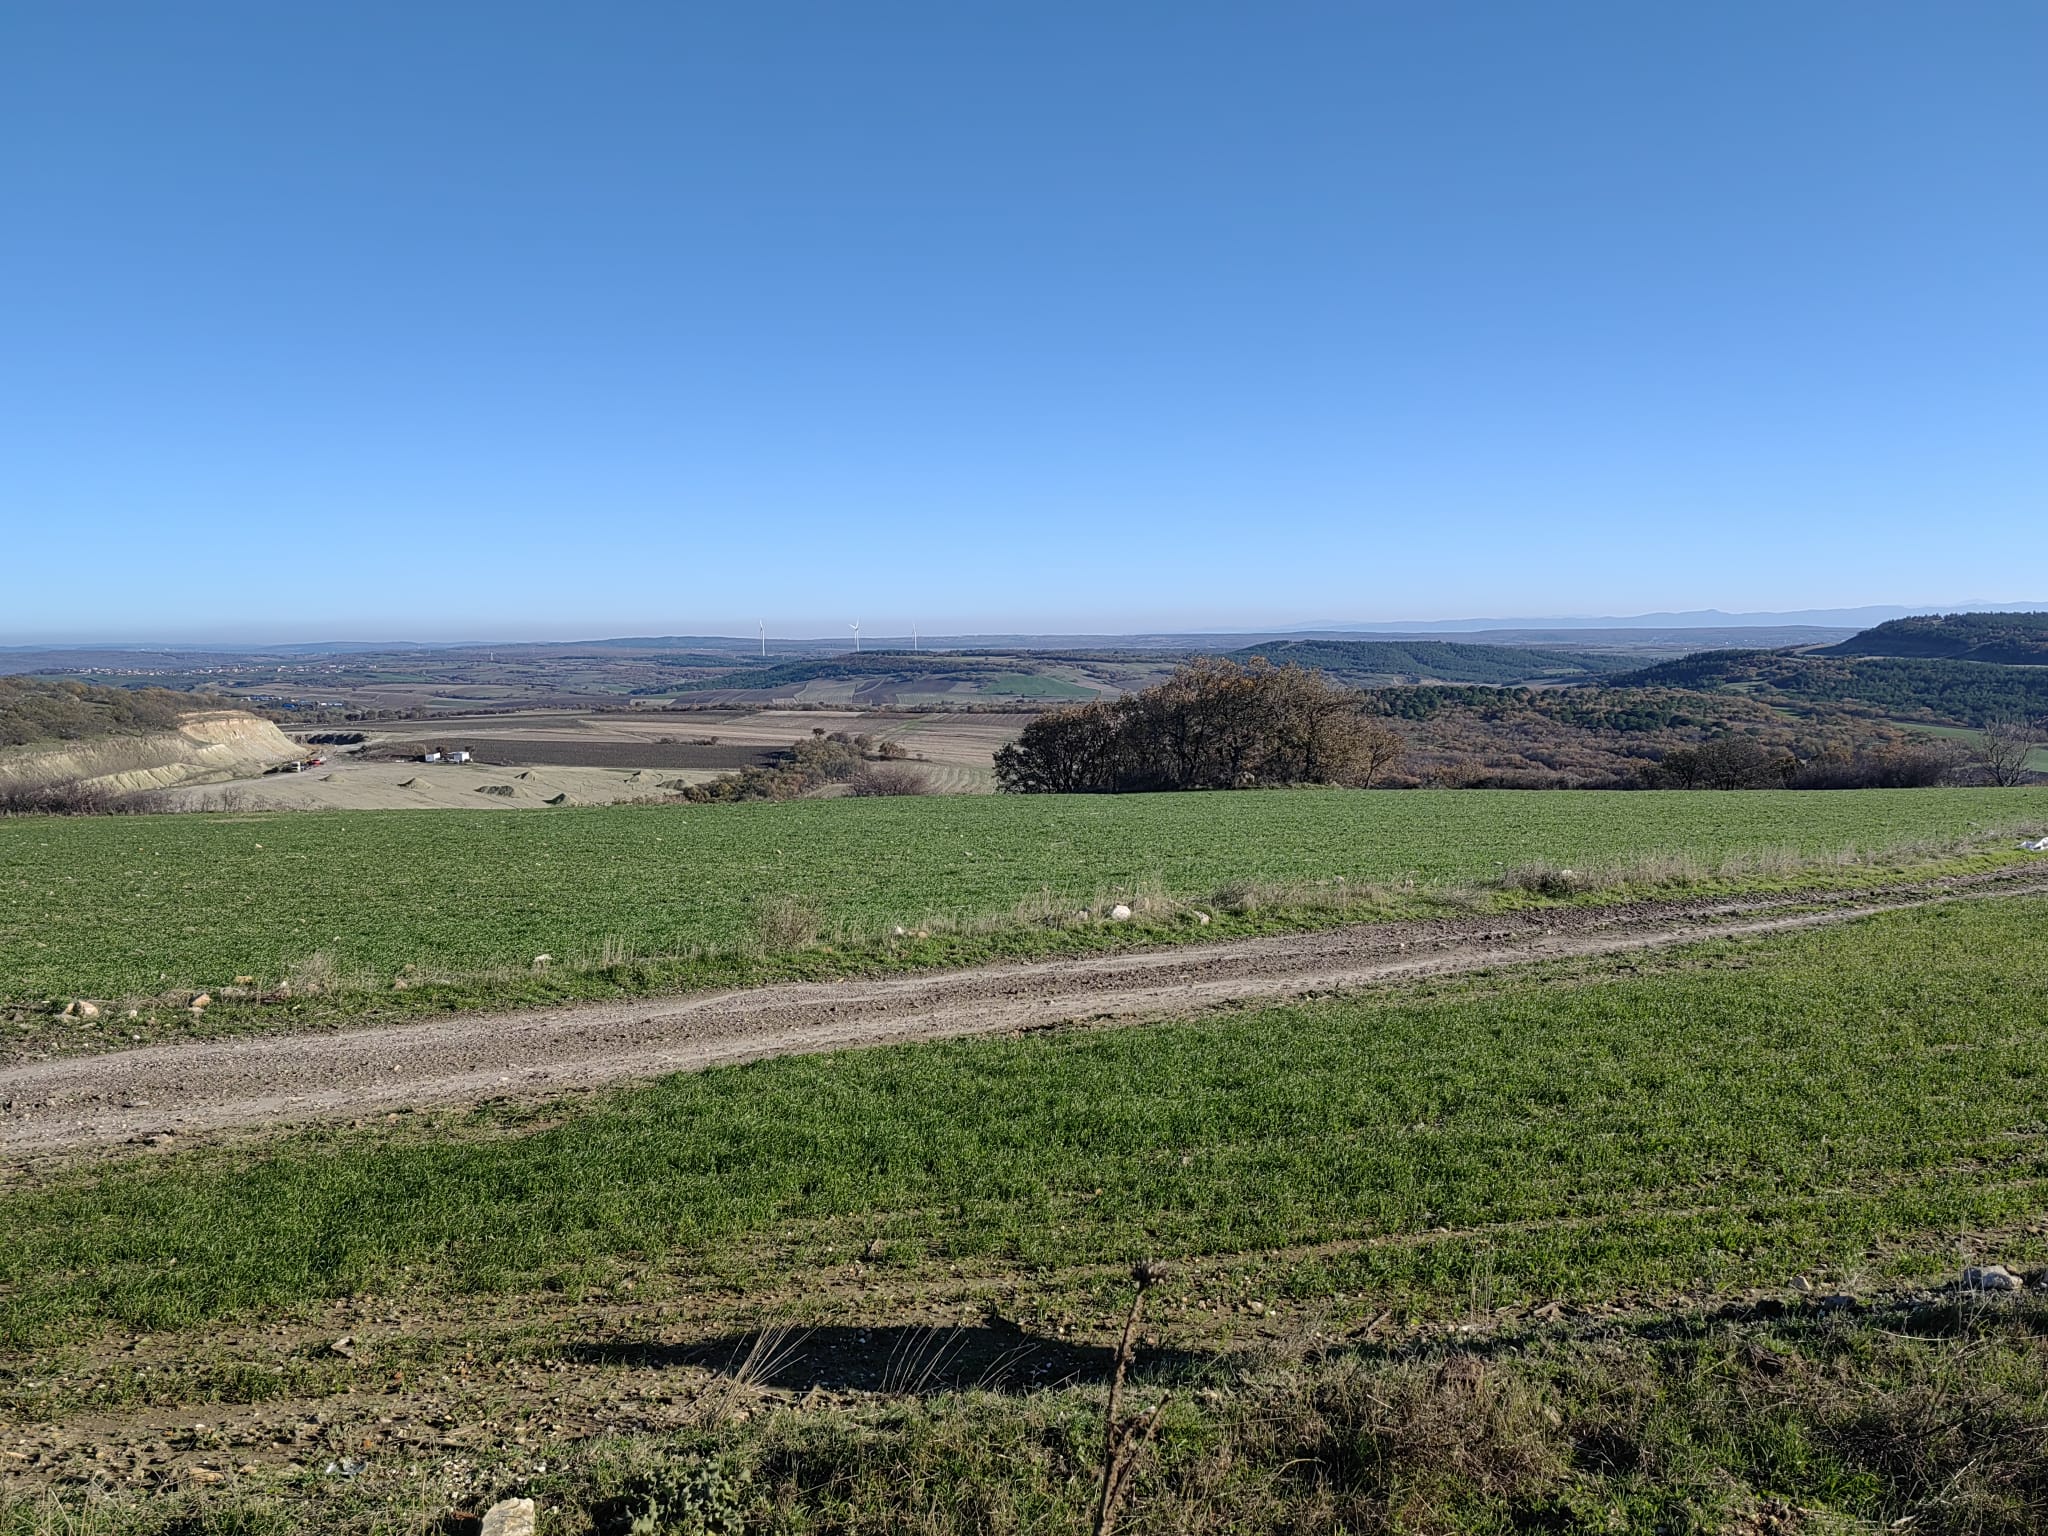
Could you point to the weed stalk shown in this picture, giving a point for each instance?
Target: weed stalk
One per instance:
(1123, 1442)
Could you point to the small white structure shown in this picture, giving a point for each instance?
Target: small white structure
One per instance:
(458, 757)
(431, 757)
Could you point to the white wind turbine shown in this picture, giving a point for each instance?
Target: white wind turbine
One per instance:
(762, 625)
(855, 627)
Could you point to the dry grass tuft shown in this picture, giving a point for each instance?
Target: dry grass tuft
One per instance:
(789, 922)
(1663, 872)
(320, 973)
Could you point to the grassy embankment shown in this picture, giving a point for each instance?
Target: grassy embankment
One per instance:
(345, 906)
(1858, 1106)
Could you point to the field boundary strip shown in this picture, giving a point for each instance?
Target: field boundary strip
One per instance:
(71, 1104)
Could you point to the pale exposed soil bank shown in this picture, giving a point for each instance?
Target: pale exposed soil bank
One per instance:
(205, 749)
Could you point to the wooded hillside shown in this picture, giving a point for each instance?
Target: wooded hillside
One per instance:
(34, 709)
(1447, 661)
(2013, 639)
(1939, 691)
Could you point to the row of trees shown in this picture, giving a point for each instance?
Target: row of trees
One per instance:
(1742, 762)
(1214, 724)
(1998, 755)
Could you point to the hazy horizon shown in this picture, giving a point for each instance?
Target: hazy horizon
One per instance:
(875, 636)
(461, 321)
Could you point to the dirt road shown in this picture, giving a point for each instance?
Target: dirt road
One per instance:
(62, 1106)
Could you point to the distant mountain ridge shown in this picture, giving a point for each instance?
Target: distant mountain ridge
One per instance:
(1700, 618)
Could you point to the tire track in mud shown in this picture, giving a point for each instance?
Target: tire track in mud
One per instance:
(55, 1107)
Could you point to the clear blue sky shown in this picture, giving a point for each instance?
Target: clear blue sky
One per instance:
(427, 320)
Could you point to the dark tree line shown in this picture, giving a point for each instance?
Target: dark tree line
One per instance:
(1214, 724)
(1962, 692)
(1742, 762)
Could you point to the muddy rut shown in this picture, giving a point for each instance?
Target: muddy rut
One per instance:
(68, 1105)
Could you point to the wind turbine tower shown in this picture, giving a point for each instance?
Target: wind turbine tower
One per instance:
(855, 627)
(762, 625)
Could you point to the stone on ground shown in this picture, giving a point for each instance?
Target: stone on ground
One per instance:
(1990, 1277)
(509, 1517)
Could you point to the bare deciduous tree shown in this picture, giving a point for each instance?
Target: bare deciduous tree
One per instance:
(2005, 744)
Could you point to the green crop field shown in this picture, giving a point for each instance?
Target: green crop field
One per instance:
(1854, 1107)
(135, 905)
(1745, 1107)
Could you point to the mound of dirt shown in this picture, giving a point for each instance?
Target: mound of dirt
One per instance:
(206, 747)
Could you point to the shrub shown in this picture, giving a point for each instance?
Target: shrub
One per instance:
(811, 763)
(889, 779)
(1909, 768)
(75, 798)
(1742, 762)
(1545, 880)
(789, 923)
(1214, 724)
(1726, 762)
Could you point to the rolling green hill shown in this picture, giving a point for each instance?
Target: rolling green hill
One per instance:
(1513, 1255)
(1442, 661)
(2011, 639)
(880, 675)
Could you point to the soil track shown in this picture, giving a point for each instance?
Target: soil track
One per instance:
(55, 1107)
